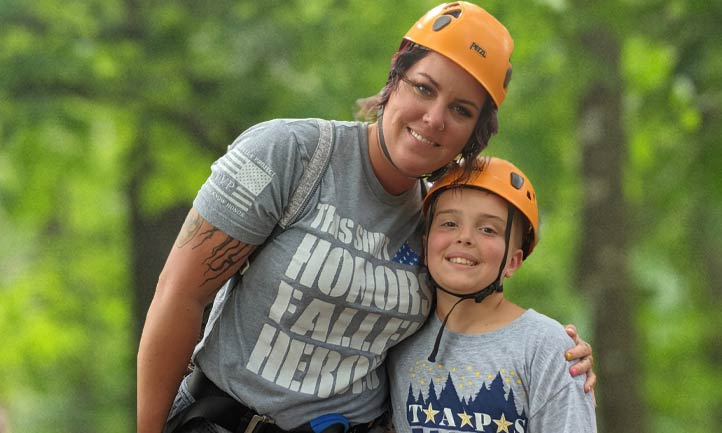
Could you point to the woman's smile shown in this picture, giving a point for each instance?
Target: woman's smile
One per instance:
(421, 138)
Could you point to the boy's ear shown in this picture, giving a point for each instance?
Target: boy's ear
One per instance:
(513, 262)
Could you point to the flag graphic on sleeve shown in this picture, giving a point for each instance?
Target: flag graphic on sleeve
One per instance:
(239, 180)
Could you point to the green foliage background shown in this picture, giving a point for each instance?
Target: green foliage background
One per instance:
(111, 112)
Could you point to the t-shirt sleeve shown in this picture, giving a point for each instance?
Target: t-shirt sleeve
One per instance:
(250, 185)
(557, 401)
(569, 411)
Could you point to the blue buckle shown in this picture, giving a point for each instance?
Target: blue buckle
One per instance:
(327, 423)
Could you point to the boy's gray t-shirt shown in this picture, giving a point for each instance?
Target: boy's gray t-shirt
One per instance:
(514, 380)
(307, 329)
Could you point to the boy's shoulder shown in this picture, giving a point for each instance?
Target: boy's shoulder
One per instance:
(542, 329)
(541, 319)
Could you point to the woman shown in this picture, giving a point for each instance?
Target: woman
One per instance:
(300, 341)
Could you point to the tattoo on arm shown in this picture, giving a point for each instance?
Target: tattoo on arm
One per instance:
(189, 229)
(223, 256)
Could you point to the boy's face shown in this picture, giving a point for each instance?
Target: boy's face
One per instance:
(465, 244)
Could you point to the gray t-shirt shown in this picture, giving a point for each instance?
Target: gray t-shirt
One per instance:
(307, 329)
(514, 380)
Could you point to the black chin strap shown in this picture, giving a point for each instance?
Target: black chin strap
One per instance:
(382, 141)
(385, 149)
(496, 286)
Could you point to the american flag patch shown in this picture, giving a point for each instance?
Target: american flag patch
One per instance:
(406, 256)
(239, 180)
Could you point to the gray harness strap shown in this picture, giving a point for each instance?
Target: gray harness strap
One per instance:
(311, 175)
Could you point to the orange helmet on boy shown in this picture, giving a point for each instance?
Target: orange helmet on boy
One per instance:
(503, 179)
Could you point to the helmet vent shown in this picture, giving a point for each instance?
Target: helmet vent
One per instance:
(441, 22)
(507, 78)
(451, 10)
(456, 13)
(451, 6)
(516, 180)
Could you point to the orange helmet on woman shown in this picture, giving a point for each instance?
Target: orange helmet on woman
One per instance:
(472, 38)
(503, 179)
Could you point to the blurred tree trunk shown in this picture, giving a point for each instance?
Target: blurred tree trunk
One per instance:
(152, 235)
(712, 342)
(704, 237)
(603, 256)
(152, 239)
(708, 201)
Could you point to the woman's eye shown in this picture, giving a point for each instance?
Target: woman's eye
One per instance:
(462, 110)
(423, 89)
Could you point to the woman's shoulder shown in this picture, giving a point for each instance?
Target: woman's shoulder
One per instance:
(302, 131)
(303, 124)
(282, 127)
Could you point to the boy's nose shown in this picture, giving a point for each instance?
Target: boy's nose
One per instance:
(464, 236)
(465, 241)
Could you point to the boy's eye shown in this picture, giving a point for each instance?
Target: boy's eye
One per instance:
(488, 230)
(448, 224)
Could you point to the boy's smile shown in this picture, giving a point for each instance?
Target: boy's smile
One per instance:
(462, 261)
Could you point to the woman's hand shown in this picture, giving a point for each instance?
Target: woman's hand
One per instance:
(582, 352)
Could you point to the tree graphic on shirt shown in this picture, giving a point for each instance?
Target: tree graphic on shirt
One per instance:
(493, 405)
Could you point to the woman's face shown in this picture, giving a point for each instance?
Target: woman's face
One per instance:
(431, 114)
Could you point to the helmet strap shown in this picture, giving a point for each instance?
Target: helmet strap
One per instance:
(382, 141)
(385, 150)
(496, 286)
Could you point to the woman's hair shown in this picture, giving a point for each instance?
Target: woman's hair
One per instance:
(410, 53)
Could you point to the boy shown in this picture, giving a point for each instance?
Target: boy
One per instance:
(497, 367)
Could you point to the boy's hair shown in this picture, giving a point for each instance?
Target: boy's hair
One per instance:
(501, 178)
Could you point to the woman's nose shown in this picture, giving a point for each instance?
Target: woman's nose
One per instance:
(434, 116)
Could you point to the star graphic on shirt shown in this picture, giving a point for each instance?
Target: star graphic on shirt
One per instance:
(406, 256)
(465, 419)
(503, 424)
(430, 414)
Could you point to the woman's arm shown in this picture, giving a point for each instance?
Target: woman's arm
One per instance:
(583, 352)
(201, 260)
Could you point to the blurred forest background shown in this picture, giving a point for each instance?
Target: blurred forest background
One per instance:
(111, 112)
